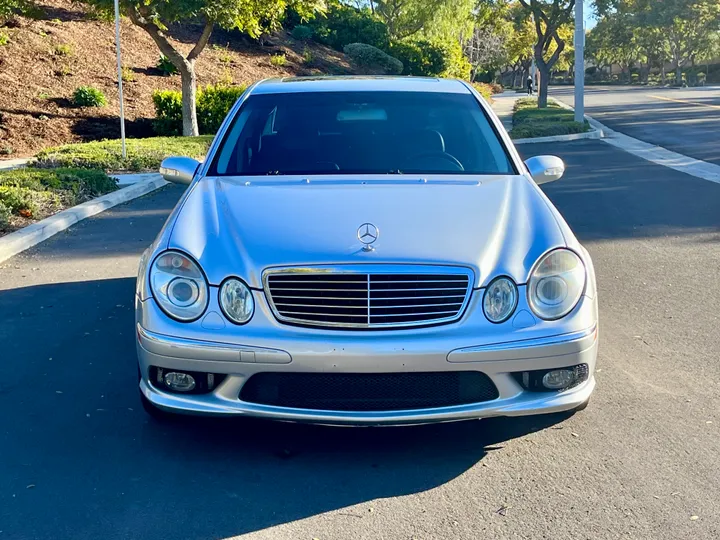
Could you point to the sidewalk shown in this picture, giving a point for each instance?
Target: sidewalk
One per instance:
(503, 106)
(7, 164)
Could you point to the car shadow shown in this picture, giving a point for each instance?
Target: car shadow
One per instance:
(82, 460)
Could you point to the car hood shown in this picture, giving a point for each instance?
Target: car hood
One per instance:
(496, 225)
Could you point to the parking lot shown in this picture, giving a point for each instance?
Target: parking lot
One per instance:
(80, 459)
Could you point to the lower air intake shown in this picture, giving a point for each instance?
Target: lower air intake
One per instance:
(368, 391)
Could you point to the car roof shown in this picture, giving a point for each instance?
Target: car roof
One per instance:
(359, 84)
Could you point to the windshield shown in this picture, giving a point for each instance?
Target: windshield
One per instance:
(360, 133)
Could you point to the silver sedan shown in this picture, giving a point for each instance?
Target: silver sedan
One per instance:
(365, 251)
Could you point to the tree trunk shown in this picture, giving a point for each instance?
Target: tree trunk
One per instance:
(189, 95)
(544, 84)
(140, 16)
(678, 74)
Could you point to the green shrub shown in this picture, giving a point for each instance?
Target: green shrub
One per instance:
(372, 60)
(343, 25)
(307, 56)
(213, 103)
(10, 8)
(419, 58)
(85, 183)
(529, 121)
(88, 96)
(20, 201)
(64, 49)
(4, 38)
(4, 215)
(128, 75)
(302, 32)
(496, 88)
(165, 66)
(32, 192)
(547, 129)
(458, 66)
(142, 154)
(168, 112)
(278, 60)
(485, 90)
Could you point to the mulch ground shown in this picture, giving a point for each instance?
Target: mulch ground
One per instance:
(48, 58)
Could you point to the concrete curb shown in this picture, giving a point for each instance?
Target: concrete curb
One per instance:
(27, 237)
(134, 178)
(594, 134)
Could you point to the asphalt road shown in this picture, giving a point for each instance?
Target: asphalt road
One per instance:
(684, 120)
(80, 460)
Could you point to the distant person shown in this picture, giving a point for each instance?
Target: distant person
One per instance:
(530, 85)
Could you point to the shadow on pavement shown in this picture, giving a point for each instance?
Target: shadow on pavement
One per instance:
(609, 194)
(81, 460)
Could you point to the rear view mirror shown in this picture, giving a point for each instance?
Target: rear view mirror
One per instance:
(545, 169)
(179, 170)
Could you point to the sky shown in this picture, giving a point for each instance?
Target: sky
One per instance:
(590, 21)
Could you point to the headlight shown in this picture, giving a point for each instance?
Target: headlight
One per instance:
(179, 286)
(236, 301)
(500, 300)
(556, 284)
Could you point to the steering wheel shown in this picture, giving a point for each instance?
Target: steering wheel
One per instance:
(437, 155)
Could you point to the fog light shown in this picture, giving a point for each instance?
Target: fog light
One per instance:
(546, 380)
(559, 379)
(180, 382)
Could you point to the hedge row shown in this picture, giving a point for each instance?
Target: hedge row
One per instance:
(212, 102)
(34, 193)
(529, 121)
(142, 154)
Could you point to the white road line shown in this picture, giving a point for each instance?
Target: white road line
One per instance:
(686, 102)
(657, 154)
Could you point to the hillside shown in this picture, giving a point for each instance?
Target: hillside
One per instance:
(47, 58)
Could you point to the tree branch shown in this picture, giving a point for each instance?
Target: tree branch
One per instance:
(202, 42)
(140, 19)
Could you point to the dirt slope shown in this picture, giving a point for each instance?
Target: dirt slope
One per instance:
(47, 58)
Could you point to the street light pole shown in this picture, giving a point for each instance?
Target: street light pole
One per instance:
(579, 62)
(120, 82)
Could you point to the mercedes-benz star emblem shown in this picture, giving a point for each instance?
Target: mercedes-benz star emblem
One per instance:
(367, 233)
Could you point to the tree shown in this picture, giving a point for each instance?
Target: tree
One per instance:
(250, 16)
(615, 41)
(520, 44)
(682, 31)
(405, 18)
(485, 50)
(548, 16)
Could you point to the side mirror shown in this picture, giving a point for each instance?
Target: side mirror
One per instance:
(545, 169)
(179, 170)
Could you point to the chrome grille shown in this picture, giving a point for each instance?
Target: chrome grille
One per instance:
(368, 298)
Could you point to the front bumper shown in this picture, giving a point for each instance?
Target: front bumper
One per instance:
(240, 362)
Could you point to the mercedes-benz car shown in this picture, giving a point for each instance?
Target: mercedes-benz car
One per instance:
(365, 251)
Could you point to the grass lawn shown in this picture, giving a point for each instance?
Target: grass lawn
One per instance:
(529, 121)
(30, 194)
(142, 154)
